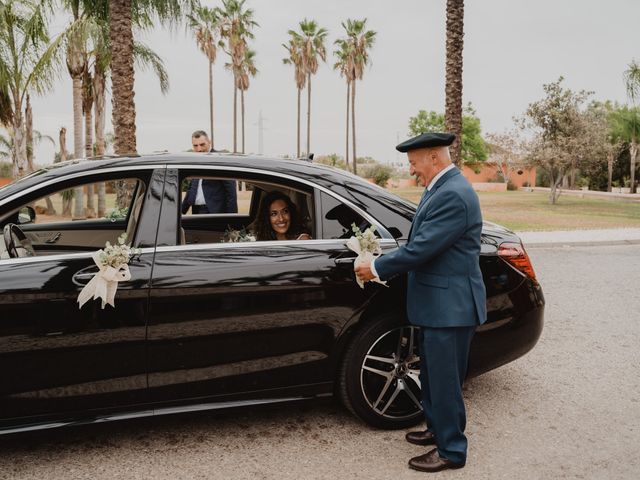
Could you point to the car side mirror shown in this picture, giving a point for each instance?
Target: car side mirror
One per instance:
(26, 215)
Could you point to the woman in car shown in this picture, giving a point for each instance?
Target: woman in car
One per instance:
(278, 219)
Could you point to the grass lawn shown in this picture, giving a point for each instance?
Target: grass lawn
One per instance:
(526, 211)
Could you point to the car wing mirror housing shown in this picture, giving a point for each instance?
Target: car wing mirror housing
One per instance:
(26, 215)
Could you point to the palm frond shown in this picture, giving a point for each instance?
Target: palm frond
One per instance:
(146, 58)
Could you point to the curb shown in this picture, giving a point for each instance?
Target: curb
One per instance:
(585, 243)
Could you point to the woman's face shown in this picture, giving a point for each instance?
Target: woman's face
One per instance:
(280, 217)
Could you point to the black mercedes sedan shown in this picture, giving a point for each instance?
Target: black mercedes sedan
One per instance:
(205, 323)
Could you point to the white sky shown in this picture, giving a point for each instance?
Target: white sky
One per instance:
(511, 48)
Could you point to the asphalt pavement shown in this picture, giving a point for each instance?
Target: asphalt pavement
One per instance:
(615, 236)
(569, 409)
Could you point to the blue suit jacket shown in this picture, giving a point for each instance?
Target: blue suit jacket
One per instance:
(445, 287)
(219, 195)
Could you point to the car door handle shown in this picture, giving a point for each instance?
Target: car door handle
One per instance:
(84, 276)
(53, 238)
(344, 260)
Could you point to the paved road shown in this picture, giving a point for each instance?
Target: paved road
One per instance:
(569, 409)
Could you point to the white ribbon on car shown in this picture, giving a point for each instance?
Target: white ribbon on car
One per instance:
(363, 257)
(104, 283)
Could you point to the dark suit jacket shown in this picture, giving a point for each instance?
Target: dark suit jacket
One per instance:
(445, 287)
(219, 195)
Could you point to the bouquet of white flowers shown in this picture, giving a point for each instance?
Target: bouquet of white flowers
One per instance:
(367, 246)
(113, 262)
(233, 236)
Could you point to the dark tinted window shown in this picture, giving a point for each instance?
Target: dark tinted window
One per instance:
(337, 218)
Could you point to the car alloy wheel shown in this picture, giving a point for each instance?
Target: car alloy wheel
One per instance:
(379, 375)
(389, 377)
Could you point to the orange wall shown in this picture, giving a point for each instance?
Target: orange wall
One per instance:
(489, 172)
(5, 180)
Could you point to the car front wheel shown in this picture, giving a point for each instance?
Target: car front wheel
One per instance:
(379, 376)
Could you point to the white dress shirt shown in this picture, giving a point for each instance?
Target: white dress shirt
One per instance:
(429, 187)
(200, 194)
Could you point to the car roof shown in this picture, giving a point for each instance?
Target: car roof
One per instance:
(323, 175)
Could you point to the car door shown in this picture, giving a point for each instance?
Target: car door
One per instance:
(249, 319)
(58, 359)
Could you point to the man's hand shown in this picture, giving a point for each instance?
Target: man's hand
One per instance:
(363, 271)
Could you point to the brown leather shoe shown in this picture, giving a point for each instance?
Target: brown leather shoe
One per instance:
(421, 438)
(432, 462)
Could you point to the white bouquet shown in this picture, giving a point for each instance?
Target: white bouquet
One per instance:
(367, 246)
(113, 262)
(233, 236)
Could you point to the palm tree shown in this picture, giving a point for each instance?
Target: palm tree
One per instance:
(359, 42)
(295, 58)
(453, 87)
(344, 65)
(310, 40)
(626, 127)
(235, 27)
(632, 83)
(248, 69)
(205, 23)
(25, 65)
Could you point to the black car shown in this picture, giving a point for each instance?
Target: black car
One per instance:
(209, 324)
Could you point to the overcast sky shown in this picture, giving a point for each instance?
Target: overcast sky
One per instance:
(511, 48)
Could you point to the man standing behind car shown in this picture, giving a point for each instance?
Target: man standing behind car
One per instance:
(446, 296)
(209, 196)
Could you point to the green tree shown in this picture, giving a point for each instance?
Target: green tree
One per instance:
(344, 65)
(359, 41)
(632, 83)
(294, 58)
(473, 147)
(565, 135)
(205, 23)
(310, 42)
(236, 29)
(626, 128)
(26, 64)
(454, 121)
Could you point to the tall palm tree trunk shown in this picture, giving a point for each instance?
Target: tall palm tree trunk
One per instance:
(308, 114)
(298, 129)
(353, 126)
(453, 88)
(88, 148)
(67, 195)
(346, 155)
(28, 124)
(99, 80)
(242, 116)
(19, 151)
(235, 118)
(609, 170)
(633, 151)
(211, 104)
(122, 82)
(78, 195)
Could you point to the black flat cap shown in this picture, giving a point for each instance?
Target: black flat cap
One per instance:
(426, 140)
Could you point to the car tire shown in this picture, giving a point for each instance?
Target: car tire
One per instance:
(378, 377)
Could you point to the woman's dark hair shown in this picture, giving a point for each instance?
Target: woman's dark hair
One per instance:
(261, 226)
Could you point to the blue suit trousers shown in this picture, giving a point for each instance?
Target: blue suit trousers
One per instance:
(444, 357)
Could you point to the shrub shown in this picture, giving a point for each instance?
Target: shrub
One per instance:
(511, 186)
(380, 174)
(6, 169)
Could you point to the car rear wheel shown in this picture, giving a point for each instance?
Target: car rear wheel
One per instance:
(379, 376)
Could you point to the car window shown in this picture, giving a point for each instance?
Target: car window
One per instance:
(99, 202)
(56, 223)
(338, 218)
(256, 210)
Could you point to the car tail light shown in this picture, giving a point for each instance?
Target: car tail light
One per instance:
(515, 255)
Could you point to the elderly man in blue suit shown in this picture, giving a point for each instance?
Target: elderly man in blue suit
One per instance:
(209, 196)
(446, 296)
